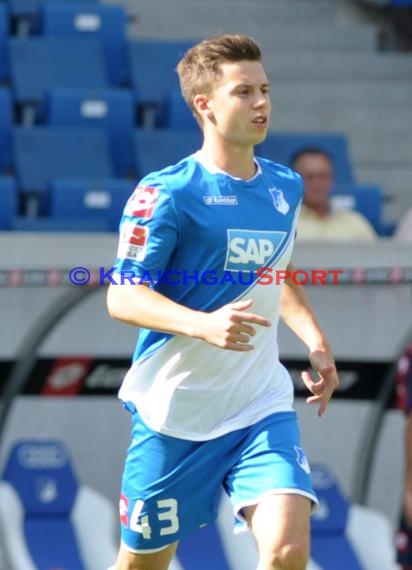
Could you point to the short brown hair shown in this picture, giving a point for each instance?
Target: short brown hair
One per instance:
(199, 69)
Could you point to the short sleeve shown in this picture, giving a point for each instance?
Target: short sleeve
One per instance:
(148, 231)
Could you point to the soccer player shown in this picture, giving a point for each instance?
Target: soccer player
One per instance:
(211, 404)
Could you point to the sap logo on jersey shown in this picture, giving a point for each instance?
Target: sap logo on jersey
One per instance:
(247, 250)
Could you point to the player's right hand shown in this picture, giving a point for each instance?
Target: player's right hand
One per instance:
(231, 326)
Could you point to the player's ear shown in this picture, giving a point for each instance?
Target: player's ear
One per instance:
(201, 104)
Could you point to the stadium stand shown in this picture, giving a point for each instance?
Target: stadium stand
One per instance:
(6, 122)
(25, 14)
(177, 113)
(107, 23)
(112, 109)
(4, 31)
(151, 83)
(45, 153)
(8, 202)
(45, 514)
(85, 199)
(38, 64)
(158, 148)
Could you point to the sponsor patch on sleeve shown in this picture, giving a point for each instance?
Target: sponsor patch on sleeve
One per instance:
(142, 202)
(133, 241)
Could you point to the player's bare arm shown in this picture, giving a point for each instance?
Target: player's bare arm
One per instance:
(230, 327)
(297, 314)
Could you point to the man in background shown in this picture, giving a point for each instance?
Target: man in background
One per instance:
(318, 220)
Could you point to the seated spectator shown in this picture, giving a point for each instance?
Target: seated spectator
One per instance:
(318, 220)
(403, 231)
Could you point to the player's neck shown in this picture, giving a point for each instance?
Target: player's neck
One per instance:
(236, 161)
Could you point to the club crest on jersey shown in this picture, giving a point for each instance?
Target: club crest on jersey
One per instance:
(142, 202)
(248, 250)
(132, 242)
(279, 200)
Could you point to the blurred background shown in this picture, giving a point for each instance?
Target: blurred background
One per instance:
(89, 103)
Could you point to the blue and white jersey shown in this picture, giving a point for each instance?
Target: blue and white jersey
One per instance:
(200, 238)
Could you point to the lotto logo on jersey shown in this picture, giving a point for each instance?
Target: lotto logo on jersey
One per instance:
(248, 250)
(124, 510)
(142, 202)
(133, 240)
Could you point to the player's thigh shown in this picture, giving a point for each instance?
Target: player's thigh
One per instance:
(280, 520)
(159, 560)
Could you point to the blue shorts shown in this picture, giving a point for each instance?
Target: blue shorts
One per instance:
(173, 486)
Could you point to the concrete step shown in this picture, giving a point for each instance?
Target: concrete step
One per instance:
(366, 147)
(354, 121)
(340, 65)
(186, 20)
(317, 93)
(285, 10)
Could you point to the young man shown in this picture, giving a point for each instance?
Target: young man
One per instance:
(211, 403)
(317, 219)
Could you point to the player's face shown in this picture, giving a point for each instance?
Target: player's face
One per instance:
(240, 104)
(316, 171)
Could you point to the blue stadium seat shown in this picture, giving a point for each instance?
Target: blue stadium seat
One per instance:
(280, 147)
(158, 148)
(152, 75)
(112, 109)
(66, 225)
(107, 23)
(45, 513)
(87, 199)
(177, 113)
(8, 202)
(6, 121)
(44, 153)
(4, 32)
(27, 13)
(38, 64)
(330, 547)
(366, 199)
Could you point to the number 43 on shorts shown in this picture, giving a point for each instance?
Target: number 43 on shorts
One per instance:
(167, 515)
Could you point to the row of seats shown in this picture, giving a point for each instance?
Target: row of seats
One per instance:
(87, 47)
(45, 522)
(82, 157)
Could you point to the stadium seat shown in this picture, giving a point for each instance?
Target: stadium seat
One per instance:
(112, 109)
(8, 202)
(47, 224)
(107, 23)
(330, 547)
(280, 147)
(44, 153)
(345, 536)
(85, 199)
(38, 64)
(366, 199)
(26, 13)
(158, 148)
(152, 75)
(4, 31)
(177, 113)
(6, 121)
(46, 519)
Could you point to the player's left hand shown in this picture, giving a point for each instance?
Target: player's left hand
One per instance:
(323, 387)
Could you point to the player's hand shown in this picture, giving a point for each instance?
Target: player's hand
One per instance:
(232, 326)
(322, 387)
